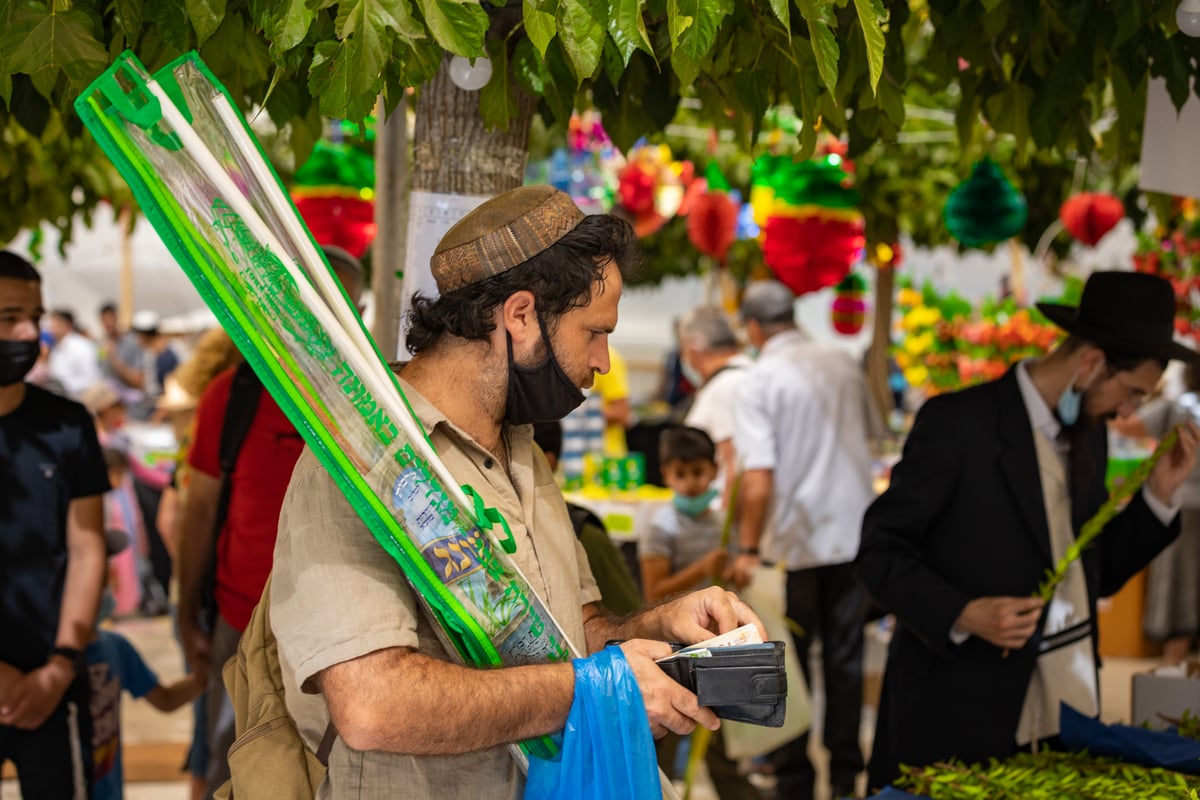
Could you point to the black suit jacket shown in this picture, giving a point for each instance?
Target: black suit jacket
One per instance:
(964, 517)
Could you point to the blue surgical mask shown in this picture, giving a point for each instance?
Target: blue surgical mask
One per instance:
(694, 506)
(1070, 403)
(691, 373)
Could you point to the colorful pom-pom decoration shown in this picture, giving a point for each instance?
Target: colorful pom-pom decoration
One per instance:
(334, 192)
(985, 208)
(812, 230)
(849, 310)
(1088, 216)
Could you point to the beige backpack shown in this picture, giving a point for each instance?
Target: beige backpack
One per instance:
(268, 760)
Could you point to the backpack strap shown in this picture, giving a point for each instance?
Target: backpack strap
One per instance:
(326, 744)
(580, 516)
(240, 410)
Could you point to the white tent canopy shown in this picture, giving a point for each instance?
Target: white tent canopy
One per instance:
(89, 274)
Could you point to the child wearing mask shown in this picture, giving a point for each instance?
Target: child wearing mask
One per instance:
(682, 549)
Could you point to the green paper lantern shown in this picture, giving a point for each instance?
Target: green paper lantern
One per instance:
(985, 208)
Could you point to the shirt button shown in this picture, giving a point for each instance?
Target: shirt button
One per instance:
(488, 463)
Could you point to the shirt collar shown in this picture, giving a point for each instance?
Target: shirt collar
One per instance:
(782, 340)
(1040, 416)
(430, 417)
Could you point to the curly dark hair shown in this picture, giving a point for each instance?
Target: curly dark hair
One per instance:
(561, 278)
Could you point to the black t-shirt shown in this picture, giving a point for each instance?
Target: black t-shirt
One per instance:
(49, 456)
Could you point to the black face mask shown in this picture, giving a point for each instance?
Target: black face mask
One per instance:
(539, 394)
(16, 359)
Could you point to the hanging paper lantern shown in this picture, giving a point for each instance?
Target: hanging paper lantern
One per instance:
(985, 208)
(813, 232)
(849, 310)
(713, 216)
(1088, 216)
(334, 193)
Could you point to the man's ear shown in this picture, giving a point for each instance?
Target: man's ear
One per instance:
(519, 317)
(1091, 360)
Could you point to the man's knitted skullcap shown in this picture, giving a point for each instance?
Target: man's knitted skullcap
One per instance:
(504, 232)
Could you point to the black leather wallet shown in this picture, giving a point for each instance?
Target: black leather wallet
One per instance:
(744, 682)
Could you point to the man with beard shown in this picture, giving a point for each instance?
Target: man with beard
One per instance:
(995, 484)
(529, 292)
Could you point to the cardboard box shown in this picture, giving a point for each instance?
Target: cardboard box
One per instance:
(1159, 698)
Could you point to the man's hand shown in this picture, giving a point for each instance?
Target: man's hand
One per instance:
(1006, 622)
(10, 676)
(669, 706)
(743, 569)
(1174, 467)
(33, 699)
(700, 615)
(197, 648)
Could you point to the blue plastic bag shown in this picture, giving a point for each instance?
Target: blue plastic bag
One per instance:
(607, 749)
(1165, 749)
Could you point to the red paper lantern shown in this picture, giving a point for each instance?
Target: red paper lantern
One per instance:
(712, 223)
(1089, 216)
(348, 222)
(810, 253)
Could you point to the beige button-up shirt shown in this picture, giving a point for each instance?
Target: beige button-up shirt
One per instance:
(337, 595)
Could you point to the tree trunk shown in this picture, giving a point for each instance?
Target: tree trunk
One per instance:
(125, 281)
(391, 219)
(881, 343)
(454, 153)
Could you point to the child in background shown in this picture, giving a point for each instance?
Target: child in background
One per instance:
(682, 549)
(121, 513)
(113, 665)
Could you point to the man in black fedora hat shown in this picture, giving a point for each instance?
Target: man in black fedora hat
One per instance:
(995, 483)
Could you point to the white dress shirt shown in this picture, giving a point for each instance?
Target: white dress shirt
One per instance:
(803, 412)
(713, 409)
(75, 364)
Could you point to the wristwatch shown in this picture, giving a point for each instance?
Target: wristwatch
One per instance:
(748, 551)
(71, 654)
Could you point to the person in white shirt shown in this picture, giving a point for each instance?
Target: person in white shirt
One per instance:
(713, 362)
(803, 417)
(74, 360)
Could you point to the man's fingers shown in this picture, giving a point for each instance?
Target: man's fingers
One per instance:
(718, 604)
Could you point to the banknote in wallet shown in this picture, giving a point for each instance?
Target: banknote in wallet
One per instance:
(737, 675)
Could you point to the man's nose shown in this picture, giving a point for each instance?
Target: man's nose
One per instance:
(27, 331)
(600, 360)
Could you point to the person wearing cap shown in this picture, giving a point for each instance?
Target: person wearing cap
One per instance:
(228, 524)
(529, 289)
(52, 562)
(994, 486)
(802, 422)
